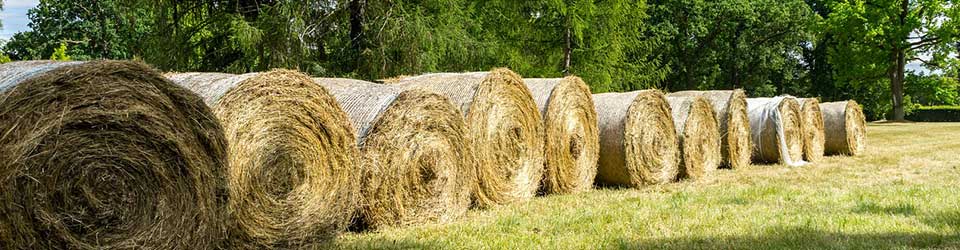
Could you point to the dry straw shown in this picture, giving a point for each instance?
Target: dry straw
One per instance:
(106, 154)
(845, 128)
(812, 128)
(504, 129)
(731, 109)
(572, 139)
(638, 141)
(699, 136)
(293, 157)
(418, 166)
(775, 129)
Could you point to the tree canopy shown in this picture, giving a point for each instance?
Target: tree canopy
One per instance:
(833, 49)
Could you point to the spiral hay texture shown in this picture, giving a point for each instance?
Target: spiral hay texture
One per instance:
(775, 129)
(417, 163)
(638, 140)
(504, 130)
(106, 155)
(845, 128)
(731, 109)
(699, 136)
(293, 157)
(812, 129)
(572, 139)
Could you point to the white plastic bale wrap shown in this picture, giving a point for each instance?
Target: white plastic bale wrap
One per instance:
(767, 126)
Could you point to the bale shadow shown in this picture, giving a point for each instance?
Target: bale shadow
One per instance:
(382, 244)
(803, 238)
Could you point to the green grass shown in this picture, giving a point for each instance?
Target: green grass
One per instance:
(901, 194)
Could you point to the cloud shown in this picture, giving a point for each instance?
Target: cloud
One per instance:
(25, 4)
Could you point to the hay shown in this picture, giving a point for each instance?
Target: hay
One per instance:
(699, 136)
(775, 130)
(292, 154)
(503, 126)
(638, 141)
(731, 109)
(418, 167)
(812, 129)
(845, 128)
(106, 154)
(572, 140)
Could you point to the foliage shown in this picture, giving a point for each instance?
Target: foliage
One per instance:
(60, 53)
(932, 89)
(876, 39)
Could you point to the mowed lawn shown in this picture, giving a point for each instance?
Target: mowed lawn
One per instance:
(901, 194)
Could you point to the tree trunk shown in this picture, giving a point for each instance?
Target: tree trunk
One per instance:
(356, 28)
(896, 85)
(567, 50)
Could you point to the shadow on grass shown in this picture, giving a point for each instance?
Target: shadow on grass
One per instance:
(801, 238)
(382, 244)
(874, 208)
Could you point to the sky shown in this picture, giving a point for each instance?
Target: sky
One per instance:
(14, 19)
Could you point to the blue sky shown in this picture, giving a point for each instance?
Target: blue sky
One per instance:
(14, 16)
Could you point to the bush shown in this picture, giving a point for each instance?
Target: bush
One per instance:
(935, 114)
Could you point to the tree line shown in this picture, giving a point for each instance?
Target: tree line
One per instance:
(834, 49)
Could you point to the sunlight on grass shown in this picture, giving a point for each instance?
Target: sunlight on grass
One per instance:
(901, 194)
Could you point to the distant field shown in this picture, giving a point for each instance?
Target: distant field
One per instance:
(901, 194)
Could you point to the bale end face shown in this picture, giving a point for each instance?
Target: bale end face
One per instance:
(572, 138)
(638, 139)
(812, 127)
(699, 136)
(127, 159)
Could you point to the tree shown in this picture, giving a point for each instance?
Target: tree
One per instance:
(91, 28)
(60, 53)
(878, 38)
(724, 44)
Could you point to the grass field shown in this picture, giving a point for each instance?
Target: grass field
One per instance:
(901, 194)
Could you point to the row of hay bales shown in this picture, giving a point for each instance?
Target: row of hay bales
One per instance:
(113, 154)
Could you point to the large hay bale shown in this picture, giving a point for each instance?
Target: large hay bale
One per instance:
(572, 139)
(638, 140)
(731, 109)
(698, 134)
(418, 167)
(293, 178)
(105, 155)
(845, 128)
(812, 129)
(775, 129)
(504, 127)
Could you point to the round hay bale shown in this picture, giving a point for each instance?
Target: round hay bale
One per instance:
(638, 140)
(731, 109)
(572, 140)
(775, 129)
(699, 136)
(503, 126)
(293, 157)
(104, 155)
(812, 127)
(418, 167)
(845, 128)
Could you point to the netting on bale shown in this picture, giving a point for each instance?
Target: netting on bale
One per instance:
(812, 129)
(104, 155)
(731, 109)
(775, 130)
(572, 138)
(638, 140)
(418, 166)
(504, 130)
(845, 128)
(698, 134)
(293, 178)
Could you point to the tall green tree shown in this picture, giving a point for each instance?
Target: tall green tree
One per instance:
(91, 29)
(878, 38)
(754, 45)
